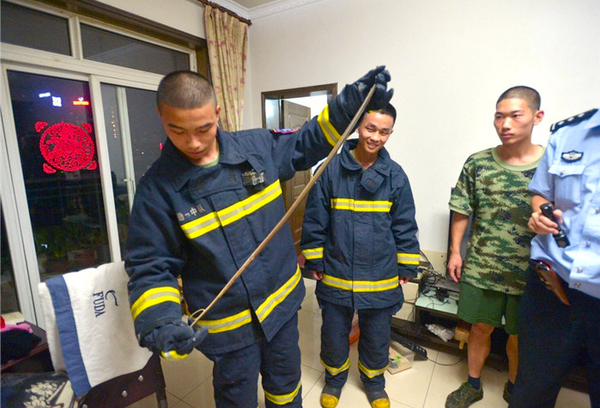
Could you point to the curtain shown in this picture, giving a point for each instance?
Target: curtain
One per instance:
(227, 39)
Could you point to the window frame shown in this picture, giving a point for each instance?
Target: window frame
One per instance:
(13, 196)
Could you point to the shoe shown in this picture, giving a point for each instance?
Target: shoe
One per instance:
(464, 396)
(506, 394)
(330, 396)
(378, 398)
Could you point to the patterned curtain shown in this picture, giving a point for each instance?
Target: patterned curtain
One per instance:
(227, 39)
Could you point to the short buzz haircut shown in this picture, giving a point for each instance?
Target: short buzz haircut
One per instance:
(387, 110)
(529, 95)
(185, 90)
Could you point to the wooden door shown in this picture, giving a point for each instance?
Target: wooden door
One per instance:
(295, 115)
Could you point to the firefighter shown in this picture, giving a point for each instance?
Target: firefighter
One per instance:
(200, 211)
(359, 239)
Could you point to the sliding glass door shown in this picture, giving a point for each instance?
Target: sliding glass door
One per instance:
(78, 171)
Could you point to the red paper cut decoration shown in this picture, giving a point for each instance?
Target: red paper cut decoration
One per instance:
(67, 147)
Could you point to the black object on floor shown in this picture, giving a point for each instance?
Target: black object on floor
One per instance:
(409, 344)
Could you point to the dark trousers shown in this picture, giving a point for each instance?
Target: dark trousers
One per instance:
(373, 344)
(552, 337)
(235, 374)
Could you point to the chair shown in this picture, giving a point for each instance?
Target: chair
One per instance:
(90, 336)
(126, 389)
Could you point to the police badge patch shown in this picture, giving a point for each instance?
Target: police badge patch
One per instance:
(571, 156)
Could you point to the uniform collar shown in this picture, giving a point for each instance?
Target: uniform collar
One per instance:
(382, 165)
(594, 121)
(179, 170)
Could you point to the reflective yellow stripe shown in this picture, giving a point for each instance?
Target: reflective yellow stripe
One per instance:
(172, 355)
(284, 398)
(408, 259)
(154, 297)
(360, 205)
(360, 286)
(313, 253)
(263, 311)
(337, 370)
(279, 296)
(226, 216)
(370, 373)
(201, 226)
(331, 134)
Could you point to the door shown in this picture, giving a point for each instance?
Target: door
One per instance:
(289, 108)
(135, 138)
(295, 115)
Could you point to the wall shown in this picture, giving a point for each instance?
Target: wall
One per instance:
(449, 60)
(184, 15)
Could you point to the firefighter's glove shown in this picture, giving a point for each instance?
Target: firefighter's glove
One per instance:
(174, 340)
(352, 96)
(378, 77)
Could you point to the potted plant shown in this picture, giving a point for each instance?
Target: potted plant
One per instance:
(83, 240)
(51, 242)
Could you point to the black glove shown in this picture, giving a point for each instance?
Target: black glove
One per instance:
(344, 107)
(174, 340)
(378, 77)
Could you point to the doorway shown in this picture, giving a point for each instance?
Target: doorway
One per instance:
(290, 108)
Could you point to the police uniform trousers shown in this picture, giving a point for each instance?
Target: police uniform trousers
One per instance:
(373, 344)
(235, 374)
(554, 337)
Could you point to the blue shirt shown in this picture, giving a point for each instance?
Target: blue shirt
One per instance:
(569, 176)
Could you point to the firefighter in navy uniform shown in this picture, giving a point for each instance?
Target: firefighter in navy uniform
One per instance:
(359, 239)
(200, 211)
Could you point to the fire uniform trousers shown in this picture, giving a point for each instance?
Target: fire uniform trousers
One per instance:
(202, 224)
(553, 337)
(359, 230)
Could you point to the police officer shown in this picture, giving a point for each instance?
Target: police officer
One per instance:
(200, 211)
(554, 334)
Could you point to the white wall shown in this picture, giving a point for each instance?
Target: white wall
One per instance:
(449, 61)
(184, 15)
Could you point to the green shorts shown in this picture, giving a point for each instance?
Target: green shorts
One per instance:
(477, 305)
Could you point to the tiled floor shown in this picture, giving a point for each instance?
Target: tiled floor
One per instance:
(425, 385)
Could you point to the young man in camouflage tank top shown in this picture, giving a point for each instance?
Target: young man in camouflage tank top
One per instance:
(492, 191)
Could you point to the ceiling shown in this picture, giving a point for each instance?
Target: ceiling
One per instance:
(254, 9)
(252, 3)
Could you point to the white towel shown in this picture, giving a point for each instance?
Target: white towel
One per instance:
(89, 326)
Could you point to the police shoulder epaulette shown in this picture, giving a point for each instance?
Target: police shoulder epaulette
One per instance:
(572, 120)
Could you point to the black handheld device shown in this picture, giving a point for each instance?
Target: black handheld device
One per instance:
(560, 238)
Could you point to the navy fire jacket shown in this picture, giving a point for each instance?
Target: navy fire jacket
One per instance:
(203, 223)
(359, 230)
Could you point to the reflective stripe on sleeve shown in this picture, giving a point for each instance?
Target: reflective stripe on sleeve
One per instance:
(172, 355)
(331, 134)
(408, 259)
(155, 296)
(313, 253)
